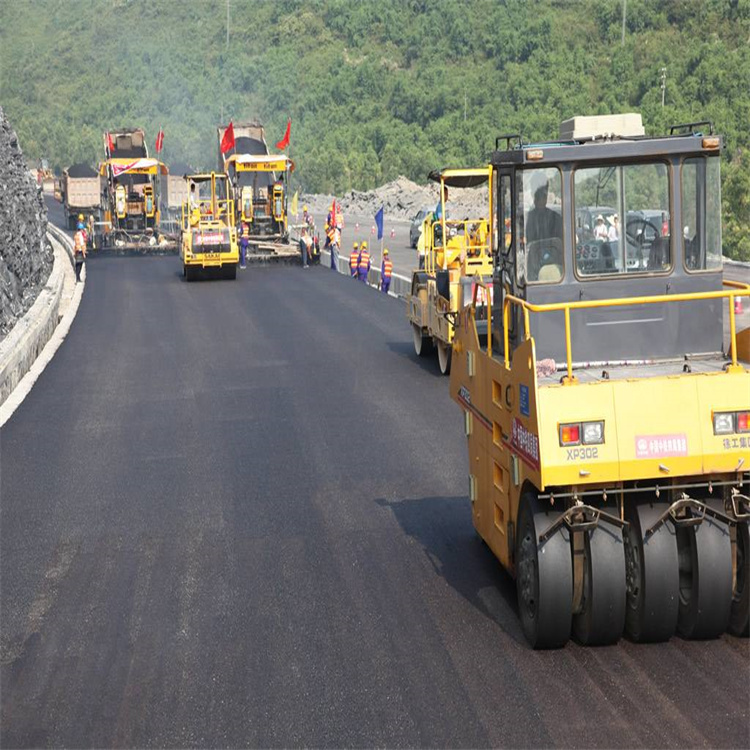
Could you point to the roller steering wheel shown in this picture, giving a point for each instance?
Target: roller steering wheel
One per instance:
(633, 225)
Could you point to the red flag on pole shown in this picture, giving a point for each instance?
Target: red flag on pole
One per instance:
(110, 145)
(284, 142)
(160, 140)
(227, 141)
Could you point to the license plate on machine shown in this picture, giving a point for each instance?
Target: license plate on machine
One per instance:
(211, 256)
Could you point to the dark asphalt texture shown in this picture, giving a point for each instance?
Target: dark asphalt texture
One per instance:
(235, 514)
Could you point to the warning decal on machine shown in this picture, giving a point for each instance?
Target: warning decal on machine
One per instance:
(526, 444)
(661, 446)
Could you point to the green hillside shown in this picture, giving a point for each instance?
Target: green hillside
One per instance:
(374, 89)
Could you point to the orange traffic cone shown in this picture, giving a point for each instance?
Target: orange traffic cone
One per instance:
(738, 305)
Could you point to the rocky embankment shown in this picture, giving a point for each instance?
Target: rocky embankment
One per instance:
(401, 199)
(25, 253)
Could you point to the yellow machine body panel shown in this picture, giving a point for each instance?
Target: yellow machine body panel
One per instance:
(247, 203)
(656, 429)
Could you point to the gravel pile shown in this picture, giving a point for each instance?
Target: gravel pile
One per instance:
(25, 253)
(401, 199)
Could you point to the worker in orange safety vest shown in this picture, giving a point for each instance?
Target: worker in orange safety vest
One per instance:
(354, 260)
(363, 265)
(79, 252)
(386, 271)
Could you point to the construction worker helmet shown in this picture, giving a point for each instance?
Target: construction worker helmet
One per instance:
(356, 245)
(304, 208)
(364, 244)
(385, 252)
(80, 217)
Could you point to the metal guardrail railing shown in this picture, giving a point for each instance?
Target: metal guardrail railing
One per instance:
(736, 289)
(224, 207)
(474, 240)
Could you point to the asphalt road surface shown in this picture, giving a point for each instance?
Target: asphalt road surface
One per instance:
(236, 514)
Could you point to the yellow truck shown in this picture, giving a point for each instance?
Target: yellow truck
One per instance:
(208, 237)
(606, 405)
(457, 253)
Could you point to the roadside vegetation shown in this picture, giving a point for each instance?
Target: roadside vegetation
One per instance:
(374, 89)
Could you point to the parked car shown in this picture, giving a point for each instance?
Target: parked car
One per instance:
(415, 230)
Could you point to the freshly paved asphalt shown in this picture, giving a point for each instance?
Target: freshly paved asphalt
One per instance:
(235, 514)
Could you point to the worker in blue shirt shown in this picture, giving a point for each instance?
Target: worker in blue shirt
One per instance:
(364, 262)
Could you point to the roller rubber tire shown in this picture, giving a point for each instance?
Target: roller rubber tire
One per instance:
(422, 343)
(652, 574)
(230, 272)
(544, 577)
(739, 620)
(602, 620)
(445, 353)
(705, 564)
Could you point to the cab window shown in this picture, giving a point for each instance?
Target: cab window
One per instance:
(539, 226)
(701, 213)
(607, 245)
(505, 216)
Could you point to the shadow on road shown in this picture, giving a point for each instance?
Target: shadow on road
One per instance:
(443, 528)
(428, 363)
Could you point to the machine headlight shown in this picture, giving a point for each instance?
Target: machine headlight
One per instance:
(577, 433)
(723, 423)
(593, 433)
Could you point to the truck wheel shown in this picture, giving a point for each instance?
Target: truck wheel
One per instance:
(740, 614)
(704, 554)
(544, 575)
(652, 574)
(601, 620)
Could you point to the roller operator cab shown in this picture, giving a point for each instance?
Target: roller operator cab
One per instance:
(607, 409)
(208, 244)
(457, 253)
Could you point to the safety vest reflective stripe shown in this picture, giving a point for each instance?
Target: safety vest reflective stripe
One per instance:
(79, 242)
(387, 269)
(246, 232)
(353, 259)
(364, 259)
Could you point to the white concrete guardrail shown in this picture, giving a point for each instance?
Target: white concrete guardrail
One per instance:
(26, 350)
(400, 285)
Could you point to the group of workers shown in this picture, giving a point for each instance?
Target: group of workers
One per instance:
(360, 264)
